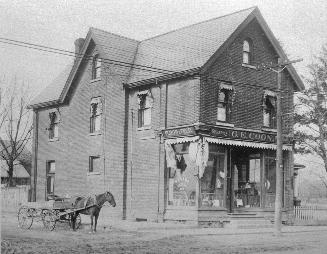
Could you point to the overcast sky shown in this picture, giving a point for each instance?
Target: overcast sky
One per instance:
(300, 24)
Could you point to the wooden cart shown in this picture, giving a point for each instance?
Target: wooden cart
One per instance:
(50, 212)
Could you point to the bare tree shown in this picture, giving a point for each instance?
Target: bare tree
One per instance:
(15, 125)
(311, 116)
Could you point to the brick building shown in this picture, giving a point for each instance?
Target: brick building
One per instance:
(180, 126)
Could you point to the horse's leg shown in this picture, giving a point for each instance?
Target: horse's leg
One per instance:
(96, 222)
(91, 222)
(73, 220)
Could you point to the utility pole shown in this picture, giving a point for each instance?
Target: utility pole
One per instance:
(278, 68)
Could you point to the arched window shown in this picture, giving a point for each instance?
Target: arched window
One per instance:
(96, 67)
(247, 52)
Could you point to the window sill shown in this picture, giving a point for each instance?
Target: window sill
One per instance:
(225, 124)
(93, 173)
(95, 133)
(268, 129)
(53, 139)
(144, 128)
(249, 66)
(95, 80)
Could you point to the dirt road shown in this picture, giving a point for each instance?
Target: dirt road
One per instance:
(115, 240)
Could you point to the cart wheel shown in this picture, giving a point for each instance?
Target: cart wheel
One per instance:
(49, 219)
(25, 217)
(77, 223)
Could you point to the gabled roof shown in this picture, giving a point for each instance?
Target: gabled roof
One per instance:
(188, 49)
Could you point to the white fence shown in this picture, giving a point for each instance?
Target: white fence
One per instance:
(12, 197)
(310, 215)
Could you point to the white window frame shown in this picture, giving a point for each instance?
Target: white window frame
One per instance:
(95, 116)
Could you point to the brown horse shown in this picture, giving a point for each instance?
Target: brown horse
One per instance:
(92, 207)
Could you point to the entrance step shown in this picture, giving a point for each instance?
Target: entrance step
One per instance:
(247, 221)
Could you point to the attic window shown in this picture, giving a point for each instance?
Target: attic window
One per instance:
(247, 52)
(96, 67)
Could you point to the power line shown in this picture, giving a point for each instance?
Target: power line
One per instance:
(86, 57)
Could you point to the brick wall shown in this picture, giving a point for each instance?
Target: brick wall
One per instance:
(249, 84)
(71, 152)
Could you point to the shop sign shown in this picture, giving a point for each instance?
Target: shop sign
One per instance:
(179, 132)
(243, 135)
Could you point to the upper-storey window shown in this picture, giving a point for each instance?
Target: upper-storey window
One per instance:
(269, 110)
(224, 103)
(247, 52)
(145, 101)
(53, 126)
(96, 112)
(96, 67)
(50, 175)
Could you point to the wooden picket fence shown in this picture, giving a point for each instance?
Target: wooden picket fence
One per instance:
(12, 197)
(310, 215)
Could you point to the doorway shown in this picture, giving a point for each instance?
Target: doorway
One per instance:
(246, 179)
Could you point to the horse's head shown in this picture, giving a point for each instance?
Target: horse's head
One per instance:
(110, 198)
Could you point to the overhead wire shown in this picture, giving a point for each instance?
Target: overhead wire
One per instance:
(86, 57)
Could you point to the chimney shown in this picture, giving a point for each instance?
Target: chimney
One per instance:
(78, 47)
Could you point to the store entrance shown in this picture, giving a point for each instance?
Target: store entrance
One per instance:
(246, 179)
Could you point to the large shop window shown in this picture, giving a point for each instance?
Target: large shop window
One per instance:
(182, 177)
(53, 126)
(50, 175)
(96, 112)
(213, 181)
(270, 179)
(145, 101)
(269, 110)
(224, 104)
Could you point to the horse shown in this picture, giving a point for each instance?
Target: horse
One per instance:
(92, 207)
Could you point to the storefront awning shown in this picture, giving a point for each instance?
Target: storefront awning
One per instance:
(245, 143)
(182, 140)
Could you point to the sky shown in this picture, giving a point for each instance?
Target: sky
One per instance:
(301, 25)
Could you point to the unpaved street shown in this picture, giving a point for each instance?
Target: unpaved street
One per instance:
(115, 240)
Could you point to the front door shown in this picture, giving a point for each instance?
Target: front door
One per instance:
(246, 179)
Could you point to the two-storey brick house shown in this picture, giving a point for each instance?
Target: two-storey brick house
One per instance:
(180, 126)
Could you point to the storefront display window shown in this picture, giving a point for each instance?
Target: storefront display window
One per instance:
(270, 180)
(213, 181)
(182, 178)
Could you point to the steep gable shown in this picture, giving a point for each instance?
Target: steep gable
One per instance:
(186, 48)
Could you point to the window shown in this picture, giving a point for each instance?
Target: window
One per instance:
(53, 126)
(247, 52)
(50, 175)
(96, 112)
(96, 67)
(94, 164)
(269, 110)
(213, 182)
(224, 103)
(145, 106)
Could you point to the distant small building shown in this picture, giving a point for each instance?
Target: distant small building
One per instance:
(21, 175)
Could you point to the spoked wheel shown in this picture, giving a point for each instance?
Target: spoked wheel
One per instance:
(77, 223)
(49, 219)
(25, 217)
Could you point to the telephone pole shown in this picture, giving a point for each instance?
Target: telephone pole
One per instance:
(278, 68)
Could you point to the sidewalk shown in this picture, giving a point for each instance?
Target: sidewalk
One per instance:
(189, 229)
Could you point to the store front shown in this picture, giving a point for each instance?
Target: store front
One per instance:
(210, 175)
